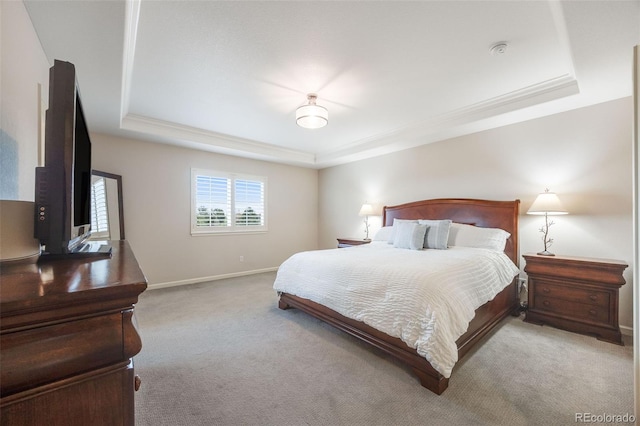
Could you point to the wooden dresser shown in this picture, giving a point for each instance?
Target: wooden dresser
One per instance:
(67, 339)
(578, 294)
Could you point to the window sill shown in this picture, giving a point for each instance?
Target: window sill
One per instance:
(209, 233)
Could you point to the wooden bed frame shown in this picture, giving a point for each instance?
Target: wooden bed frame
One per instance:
(483, 213)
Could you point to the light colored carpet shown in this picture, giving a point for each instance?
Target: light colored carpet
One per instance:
(222, 353)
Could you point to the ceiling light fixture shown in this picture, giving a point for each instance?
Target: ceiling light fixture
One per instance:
(499, 48)
(312, 116)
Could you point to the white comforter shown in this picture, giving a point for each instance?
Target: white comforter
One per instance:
(426, 298)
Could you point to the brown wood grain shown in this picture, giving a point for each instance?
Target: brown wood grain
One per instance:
(482, 213)
(66, 340)
(577, 294)
(485, 213)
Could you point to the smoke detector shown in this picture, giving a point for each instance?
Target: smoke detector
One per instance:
(499, 48)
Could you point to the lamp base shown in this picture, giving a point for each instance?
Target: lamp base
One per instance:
(545, 253)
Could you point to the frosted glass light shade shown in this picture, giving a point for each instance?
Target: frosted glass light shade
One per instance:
(547, 203)
(312, 116)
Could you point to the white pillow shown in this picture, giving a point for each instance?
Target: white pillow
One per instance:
(398, 221)
(437, 235)
(383, 234)
(409, 235)
(473, 236)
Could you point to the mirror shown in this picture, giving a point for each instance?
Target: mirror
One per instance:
(107, 216)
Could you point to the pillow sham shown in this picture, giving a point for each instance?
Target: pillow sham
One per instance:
(409, 235)
(393, 230)
(383, 234)
(437, 235)
(473, 236)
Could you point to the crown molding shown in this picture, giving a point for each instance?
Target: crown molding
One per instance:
(131, 18)
(482, 115)
(466, 120)
(215, 142)
(454, 123)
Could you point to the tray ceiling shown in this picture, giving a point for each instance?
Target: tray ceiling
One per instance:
(227, 77)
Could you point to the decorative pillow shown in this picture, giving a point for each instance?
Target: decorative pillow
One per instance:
(398, 221)
(438, 234)
(473, 236)
(383, 234)
(409, 235)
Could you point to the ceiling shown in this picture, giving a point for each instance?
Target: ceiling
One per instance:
(227, 76)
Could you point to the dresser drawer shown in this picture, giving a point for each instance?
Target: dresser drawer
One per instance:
(45, 354)
(573, 310)
(572, 294)
(578, 294)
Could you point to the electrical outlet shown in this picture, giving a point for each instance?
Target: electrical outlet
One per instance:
(522, 284)
(522, 293)
(241, 258)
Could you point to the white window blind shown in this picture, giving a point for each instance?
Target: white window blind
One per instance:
(213, 201)
(227, 202)
(99, 210)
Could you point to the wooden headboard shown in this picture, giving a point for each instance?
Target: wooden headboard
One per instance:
(483, 213)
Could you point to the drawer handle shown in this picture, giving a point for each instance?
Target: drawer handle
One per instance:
(593, 312)
(546, 290)
(546, 303)
(593, 297)
(136, 383)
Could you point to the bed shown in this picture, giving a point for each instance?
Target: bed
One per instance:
(470, 212)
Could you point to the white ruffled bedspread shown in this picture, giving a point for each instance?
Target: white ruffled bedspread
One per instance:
(424, 297)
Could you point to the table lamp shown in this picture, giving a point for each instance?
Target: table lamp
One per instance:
(547, 203)
(366, 210)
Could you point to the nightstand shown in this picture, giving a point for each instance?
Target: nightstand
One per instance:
(350, 242)
(577, 294)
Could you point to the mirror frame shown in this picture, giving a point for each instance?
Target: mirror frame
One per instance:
(118, 180)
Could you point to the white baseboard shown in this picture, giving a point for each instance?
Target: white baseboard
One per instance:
(627, 331)
(210, 278)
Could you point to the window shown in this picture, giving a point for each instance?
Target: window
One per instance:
(227, 202)
(99, 212)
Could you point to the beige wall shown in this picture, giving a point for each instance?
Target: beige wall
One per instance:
(156, 189)
(155, 179)
(23, 65)
(636, 215)
(583, 155)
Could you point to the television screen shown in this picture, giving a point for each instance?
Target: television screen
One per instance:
(63, 186)
(81, 170)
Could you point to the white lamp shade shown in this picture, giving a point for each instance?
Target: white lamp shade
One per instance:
(547, 203)
(366, 210)
(312, 116)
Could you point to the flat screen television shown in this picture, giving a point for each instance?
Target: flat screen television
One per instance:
(63, 186)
